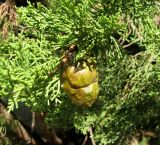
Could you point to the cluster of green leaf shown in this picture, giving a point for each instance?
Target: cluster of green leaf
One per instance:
(106, 30)
(24, 69)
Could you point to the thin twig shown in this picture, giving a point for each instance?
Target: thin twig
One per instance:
(33, 121)
(122, 40)
(135, 41)
(65, 59)
(16, 126)
(8, 17)
(85, 139)
(91, 136)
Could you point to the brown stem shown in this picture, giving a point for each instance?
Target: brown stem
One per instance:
(85, 139)
(8, 17)
(48, 133)
(16, 126)
(91, 136)
(65, 59)
(10, 2)
(133, 42)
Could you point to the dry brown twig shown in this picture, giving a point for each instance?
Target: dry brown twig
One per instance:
(65, 59)
(131, 29)
(16, 126)
(91, 136)
(85, 139)
(8, 17)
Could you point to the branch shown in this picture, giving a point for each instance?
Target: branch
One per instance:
(16, 126)
(133, 42)
(8, 17)
(91, 136)
(85, 139)
(65, 59)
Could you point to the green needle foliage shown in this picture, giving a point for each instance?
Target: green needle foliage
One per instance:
(121, 36)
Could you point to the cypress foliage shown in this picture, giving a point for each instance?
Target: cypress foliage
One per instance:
(124, 41)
